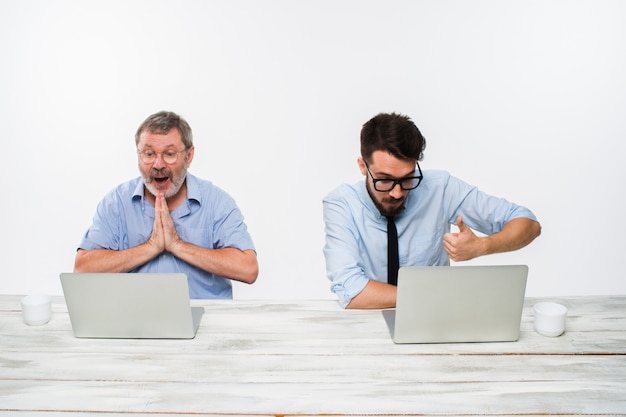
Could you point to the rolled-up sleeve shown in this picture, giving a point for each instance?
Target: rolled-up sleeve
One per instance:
(483, 212)
(342, 253)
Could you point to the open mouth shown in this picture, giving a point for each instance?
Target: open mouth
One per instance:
(161, 183)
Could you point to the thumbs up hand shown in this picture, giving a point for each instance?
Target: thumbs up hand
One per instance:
(464, 245)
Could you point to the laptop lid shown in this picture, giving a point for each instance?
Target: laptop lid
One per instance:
(130, 305)
(445, 304)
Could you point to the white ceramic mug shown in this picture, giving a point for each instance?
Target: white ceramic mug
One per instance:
(550, 318)
(36, 309)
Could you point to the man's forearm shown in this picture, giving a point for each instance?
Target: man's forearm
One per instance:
(516, 234)
(230, 263)
(375, 295)
(107, 260)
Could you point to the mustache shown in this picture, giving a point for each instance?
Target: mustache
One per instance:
(164, 172)
(390, 199)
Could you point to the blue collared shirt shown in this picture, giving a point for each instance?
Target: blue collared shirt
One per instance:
(356, 232)
(208, 218)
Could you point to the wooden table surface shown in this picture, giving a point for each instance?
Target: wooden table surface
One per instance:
(309, 358)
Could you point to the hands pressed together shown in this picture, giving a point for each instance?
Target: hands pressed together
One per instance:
(231, 263)
(164, 236)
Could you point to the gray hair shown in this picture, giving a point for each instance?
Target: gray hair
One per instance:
(164, 121)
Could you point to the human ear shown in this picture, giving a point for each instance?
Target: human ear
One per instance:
(362, 166)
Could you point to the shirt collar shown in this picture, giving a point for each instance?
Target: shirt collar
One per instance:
(193, 190)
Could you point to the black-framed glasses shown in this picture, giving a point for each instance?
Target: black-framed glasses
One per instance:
(169, 157)
(388, 184)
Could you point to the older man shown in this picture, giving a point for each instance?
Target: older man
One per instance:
(168, 220)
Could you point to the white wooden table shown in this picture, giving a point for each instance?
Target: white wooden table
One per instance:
(309, 358)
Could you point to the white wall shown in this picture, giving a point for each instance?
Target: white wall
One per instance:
(526, 99)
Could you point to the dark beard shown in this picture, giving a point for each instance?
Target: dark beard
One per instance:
(385, 211)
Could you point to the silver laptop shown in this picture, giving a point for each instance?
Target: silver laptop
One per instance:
(130, 305)
(446, 304)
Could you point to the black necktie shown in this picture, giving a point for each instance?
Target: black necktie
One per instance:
(392, 252)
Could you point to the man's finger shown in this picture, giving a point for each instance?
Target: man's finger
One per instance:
(459, 223)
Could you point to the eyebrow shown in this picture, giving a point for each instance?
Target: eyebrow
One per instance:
(387, 176)
(168, 147)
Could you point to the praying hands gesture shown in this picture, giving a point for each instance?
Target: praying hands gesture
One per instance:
(230, 263)
(164, 236)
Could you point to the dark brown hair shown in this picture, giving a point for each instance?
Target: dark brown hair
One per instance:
(393, 133)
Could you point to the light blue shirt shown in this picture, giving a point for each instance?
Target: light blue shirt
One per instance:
(208, 218)
(356, 232)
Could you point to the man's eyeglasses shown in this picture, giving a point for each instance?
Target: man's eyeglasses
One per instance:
(388, 184)
(169, 157)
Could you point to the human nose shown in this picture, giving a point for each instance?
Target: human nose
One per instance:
(159, 162)
(396, 191)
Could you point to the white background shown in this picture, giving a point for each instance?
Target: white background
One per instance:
(526, 99)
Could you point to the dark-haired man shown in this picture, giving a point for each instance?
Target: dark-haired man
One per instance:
(168, 220)
(419, 206)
